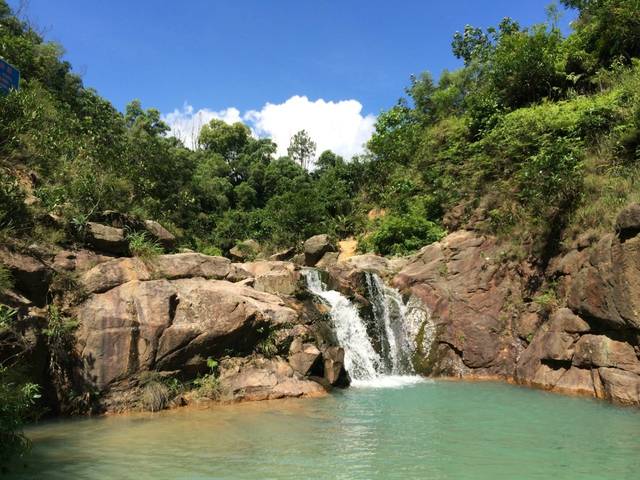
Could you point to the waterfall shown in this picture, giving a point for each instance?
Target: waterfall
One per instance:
(396, 326)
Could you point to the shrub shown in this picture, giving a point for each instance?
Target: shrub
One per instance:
(12, 208)
(208, 385)
(155, 396)
(142, 246)
(403, 234)
(6, 280)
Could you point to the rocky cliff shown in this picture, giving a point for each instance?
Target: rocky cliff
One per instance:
(571, 327)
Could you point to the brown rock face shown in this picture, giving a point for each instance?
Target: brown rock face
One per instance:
(459, 280)
(30, 275)
(281, 278)
(170, 325)
(107, 239)
(264, 379)
(163, 236)
(315, 248)
(304, 358)
(180, 265)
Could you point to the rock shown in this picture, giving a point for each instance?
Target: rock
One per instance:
(298, 259)
(31, 276)
(315, 248)
(274, 277)
(576, 381)
(115, 272)
(603, 283)
(160, 234)
(371, 263)
(528, 324)
(246, 250)
(305, 358)
(334, 371)
(468, 298)
(106, 239)
(283, 254)
(170, 325)
(77, 260)
(564, 320)
(328, 259)
(601, 351)
(628, 221)
(619, 386)
(263, 379)
(186, 265)
(179, 265)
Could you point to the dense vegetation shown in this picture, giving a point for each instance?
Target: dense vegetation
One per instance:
(536, 138)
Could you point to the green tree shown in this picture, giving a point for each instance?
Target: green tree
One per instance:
(302, 149)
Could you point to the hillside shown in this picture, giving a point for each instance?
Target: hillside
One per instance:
(522, 160)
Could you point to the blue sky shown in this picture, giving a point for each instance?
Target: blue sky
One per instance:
(219, 55)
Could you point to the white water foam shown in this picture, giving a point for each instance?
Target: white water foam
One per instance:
(366, 367)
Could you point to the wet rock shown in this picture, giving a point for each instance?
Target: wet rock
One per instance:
(328, 259)
(106, 239)
(315, 248)
(371, 263)
(576, 381)
(334, 371)
(459, 282)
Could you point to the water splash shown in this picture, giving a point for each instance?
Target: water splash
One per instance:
(396, 327)
(360, 359)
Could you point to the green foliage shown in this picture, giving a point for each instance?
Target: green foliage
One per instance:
(141, 245)
(402, 234)
(6, 279)
(17, 397)
(207, 385)
(302, 149)
(13, 212)
(16, 402)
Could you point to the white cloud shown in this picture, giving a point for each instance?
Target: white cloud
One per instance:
(337, 126)
(185, 124)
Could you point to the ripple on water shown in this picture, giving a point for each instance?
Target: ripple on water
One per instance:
(432, 430)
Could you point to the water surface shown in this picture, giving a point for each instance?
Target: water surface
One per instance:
(429, 430)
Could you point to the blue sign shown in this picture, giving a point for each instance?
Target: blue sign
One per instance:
(9, 77)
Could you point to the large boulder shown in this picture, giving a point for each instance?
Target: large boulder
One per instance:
(171, 325)
(315, 248)
(628, 220)
(603, 282)
(112, 273)
(31, 276)
(281, 278)
(469, 296)
(263, 379)
(106, 239)
(304, 358)
(160, 234)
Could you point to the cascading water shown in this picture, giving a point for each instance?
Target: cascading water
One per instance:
(396, 329)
